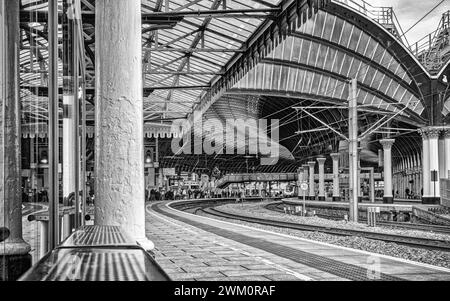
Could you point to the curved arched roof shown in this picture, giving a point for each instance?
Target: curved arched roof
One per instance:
(298, 56)
(320, 58)
(313, 64)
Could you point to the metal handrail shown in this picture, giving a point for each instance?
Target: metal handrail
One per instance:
(428, 48)
(383, 15)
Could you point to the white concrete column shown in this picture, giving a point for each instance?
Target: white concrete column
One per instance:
(160, 179)
(425, 165)
(402, 178)
(68, 181)
(430, 162)
(119, 147)
(418, 181)
(387, 151)
(414, 178)
(441, 158)
(433, 136)
(305, 173)
(395, 182)
(312, 193)
(151, 179)
(446, 154)
(321, 162)
(380, 158)
(14, 257)
(419, 173)
(412, 173)
(299, 181)
(336, 191)
(358, 171)
(402, 191)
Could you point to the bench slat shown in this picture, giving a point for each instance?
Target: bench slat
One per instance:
(97, 253)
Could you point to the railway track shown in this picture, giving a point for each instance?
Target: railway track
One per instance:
(403, 225)
(425, 243)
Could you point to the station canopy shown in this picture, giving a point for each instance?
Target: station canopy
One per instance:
(256, 59)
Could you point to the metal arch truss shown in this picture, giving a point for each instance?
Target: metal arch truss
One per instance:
(177, 78)
(294, 13)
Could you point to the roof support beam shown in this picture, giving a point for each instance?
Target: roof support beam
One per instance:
(161, 49)
(184, 73)
(293, 13)
(215, 32)
(180, 88)
(339, 77)
(214, 13)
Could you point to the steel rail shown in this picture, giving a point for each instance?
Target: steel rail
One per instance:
(426, 243)
(406, 225)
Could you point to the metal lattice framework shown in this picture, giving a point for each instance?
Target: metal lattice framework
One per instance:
(216, 56)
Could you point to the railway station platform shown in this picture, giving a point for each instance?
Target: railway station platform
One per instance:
(192, 247)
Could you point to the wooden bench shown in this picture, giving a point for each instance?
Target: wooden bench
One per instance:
(97, 253)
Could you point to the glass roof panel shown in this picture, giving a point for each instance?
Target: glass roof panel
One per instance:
(167, 63)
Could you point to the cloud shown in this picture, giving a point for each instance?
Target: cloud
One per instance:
(408, 12)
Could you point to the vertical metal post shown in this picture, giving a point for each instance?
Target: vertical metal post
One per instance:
(81, 64)
(53, 139)
(353, 151)
(43, 240)
(304, 203)
(372, 186)
(76, 120)
(14, 257)
(83, 147)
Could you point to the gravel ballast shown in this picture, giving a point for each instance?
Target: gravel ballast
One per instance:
(434, 257)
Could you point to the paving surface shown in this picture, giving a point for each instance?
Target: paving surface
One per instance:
(193, 247)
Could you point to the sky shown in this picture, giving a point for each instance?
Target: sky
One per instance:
(410, 11)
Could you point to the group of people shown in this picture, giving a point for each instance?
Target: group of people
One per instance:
(408, 194)
(161, 195)
(35, 196)
(181, 194)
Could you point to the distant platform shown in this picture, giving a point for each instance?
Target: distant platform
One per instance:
(403, 205)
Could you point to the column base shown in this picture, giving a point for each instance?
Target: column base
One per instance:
(14, 266)
(336, 199)
(430, 200)
(321, 198)
(388, 200)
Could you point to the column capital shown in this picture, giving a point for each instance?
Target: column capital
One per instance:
(335, 156)
(387, 143)
(431, 132)
(321, 160)
(311, 163)
(446, 133)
